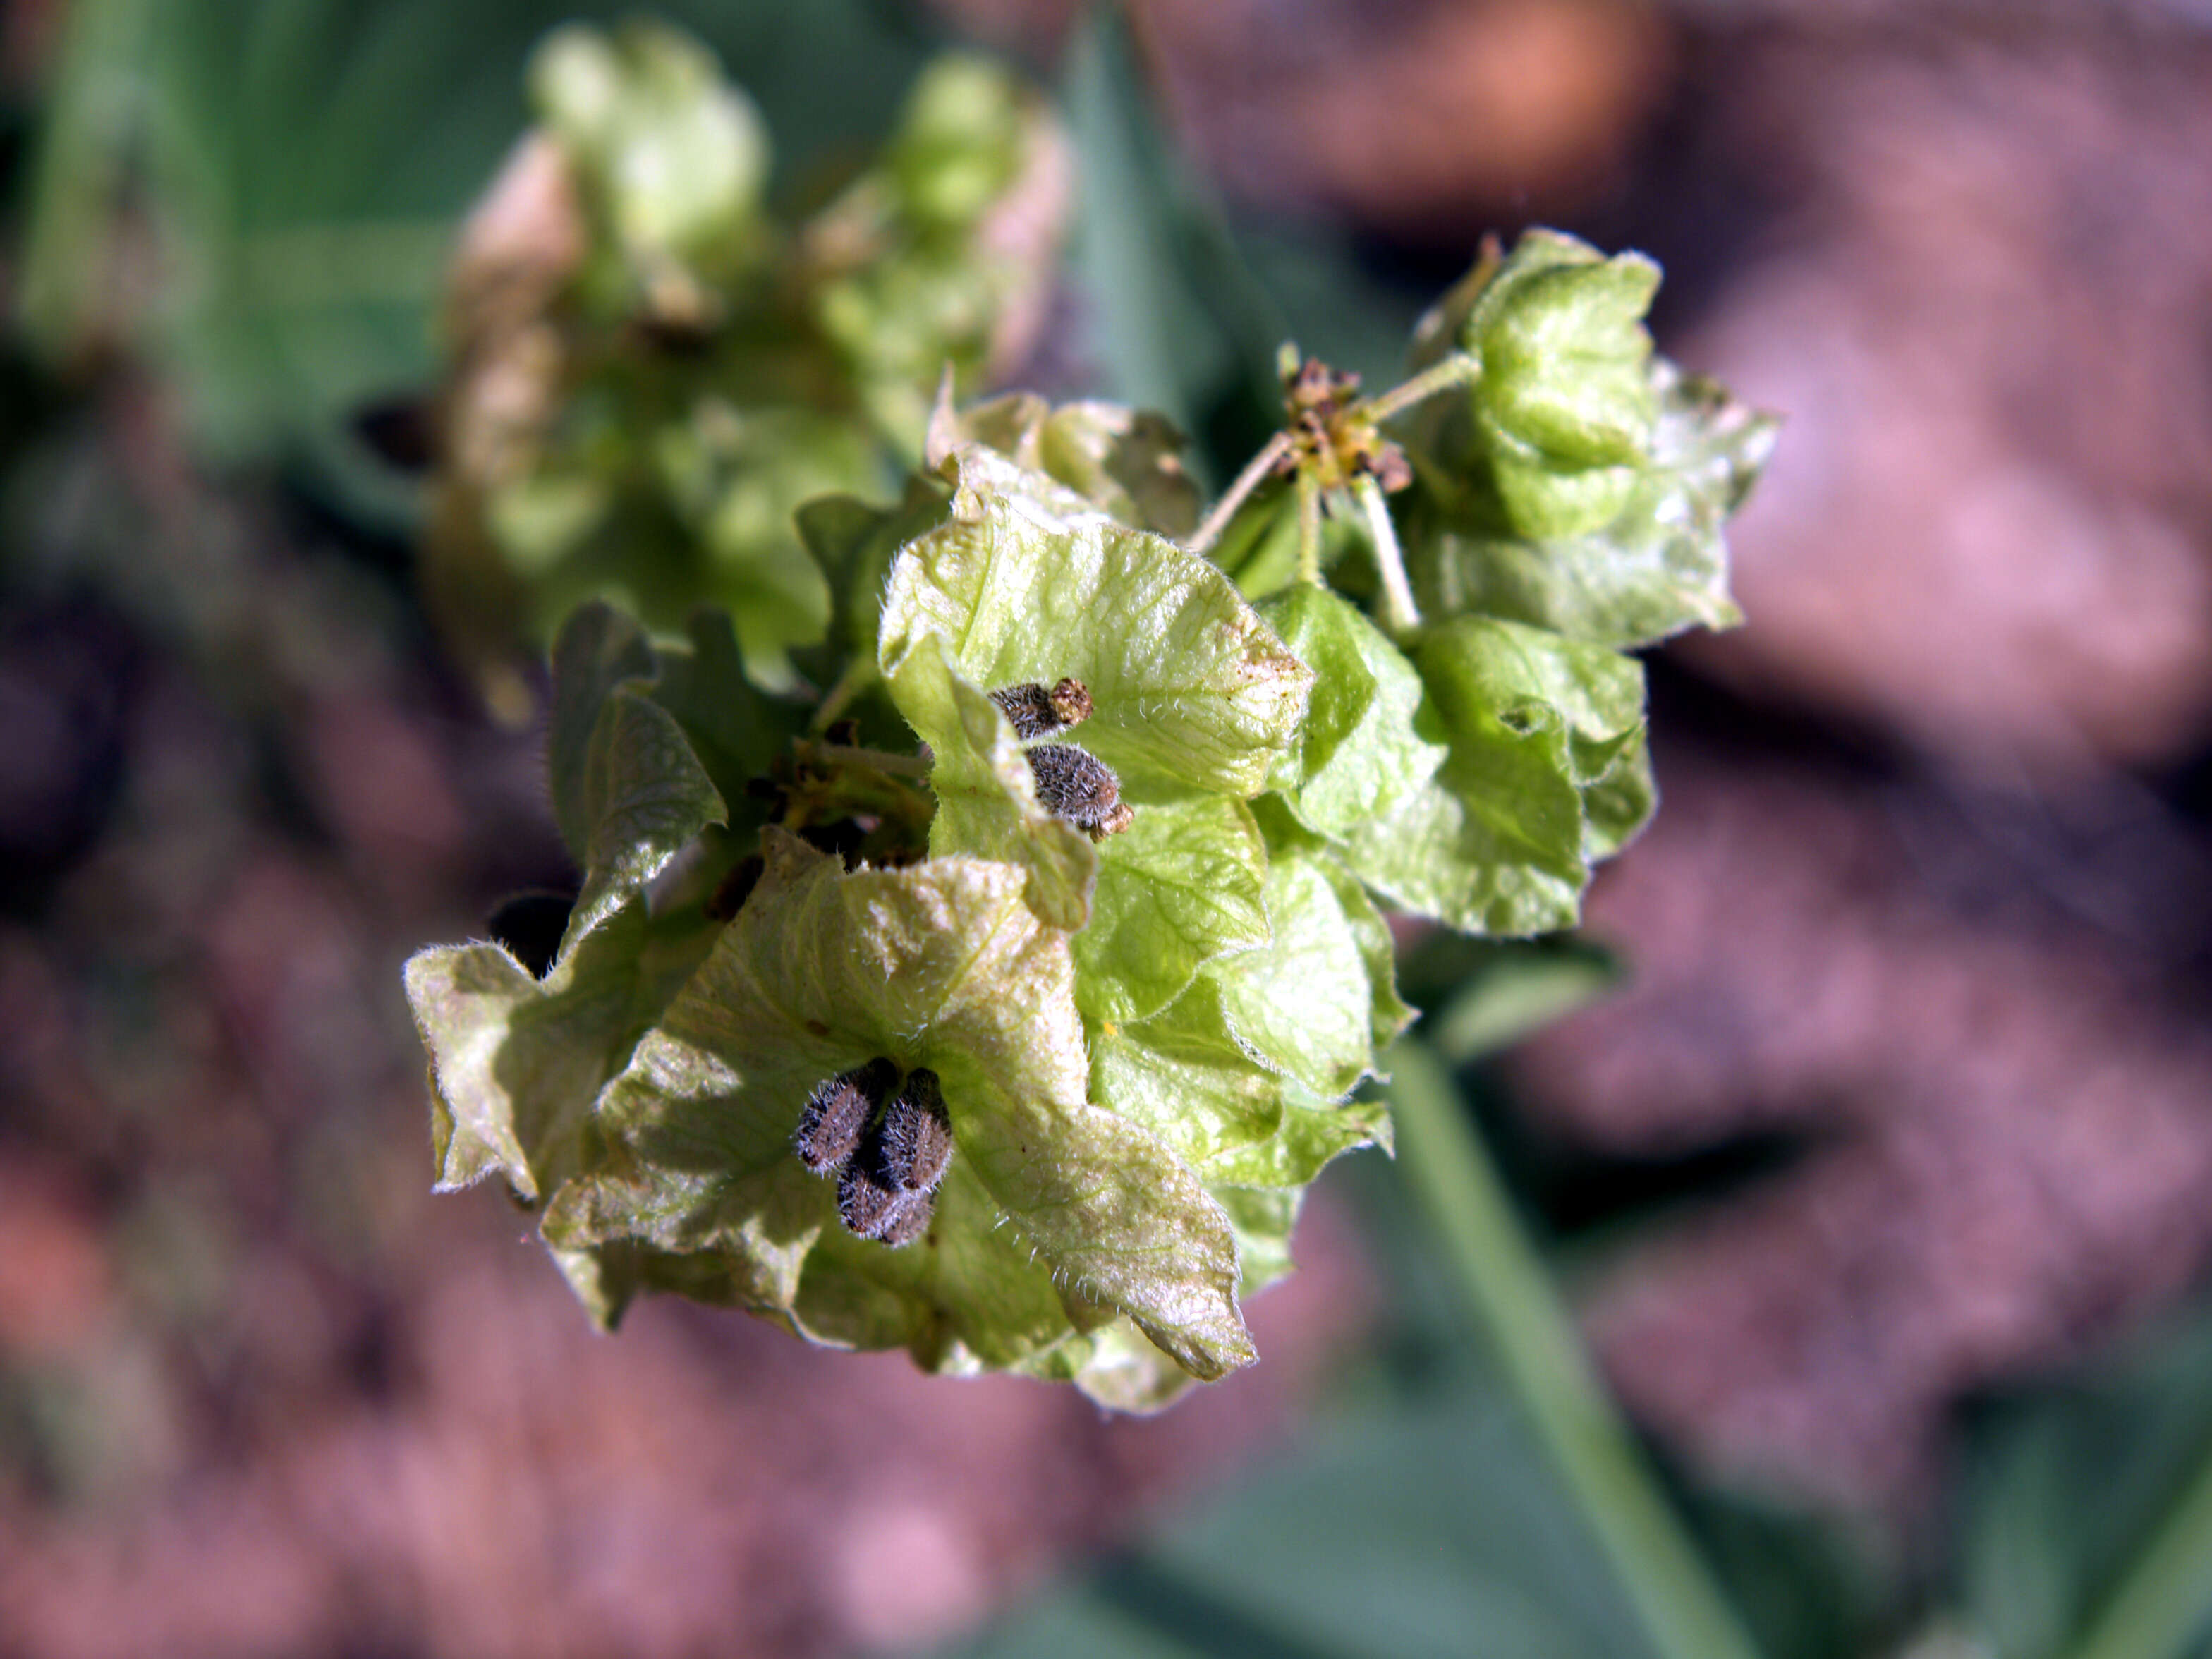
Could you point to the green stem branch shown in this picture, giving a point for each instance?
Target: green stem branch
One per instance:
(1400, 616)
(858, 675)
(1511, 1299)
(1457, 369)
(1255, 472)
(2161, 1604)
(1309, 529)
(875, 760)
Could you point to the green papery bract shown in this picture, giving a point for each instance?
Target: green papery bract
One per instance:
(1359, 752)
(1560, 333)
(1180, 886)
(1189, 689)
(1655, 567)
(672, 157)
(1148, 1044)
(1545, 771)
(960, 143)
(1247, 1074)
(941, 964)
(1183, 1075)
(516, 1062)
(986, 803)
(1318, 1000)
(660, 511)
(1127, 463)
(1191, 695)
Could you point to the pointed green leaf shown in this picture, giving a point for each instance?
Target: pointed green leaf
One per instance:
(1513, 987)
(1359, 752)
(855, 542)
(735, 731)
(1180, 886)
(940, 964)
(598, 648)
(1189, 689)
(644, 794)
(1498, 841)
(1174, 320)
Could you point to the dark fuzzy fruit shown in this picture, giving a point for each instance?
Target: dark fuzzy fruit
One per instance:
(1035, 712)
(1074, 785)
(838, 1113)
(915, 1141)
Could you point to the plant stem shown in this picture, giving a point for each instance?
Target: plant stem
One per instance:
(1511, 1299)
(876, 760)
(1255, 470)
(1309, 529)
(1457, 369)
(858, 674)
(1400, 616)
(2165, 1597)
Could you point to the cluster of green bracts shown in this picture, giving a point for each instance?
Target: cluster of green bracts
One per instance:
(1135, 949)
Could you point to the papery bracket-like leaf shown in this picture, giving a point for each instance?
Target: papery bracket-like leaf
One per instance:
(941, 964)
(1189, 689)
(1544, 771)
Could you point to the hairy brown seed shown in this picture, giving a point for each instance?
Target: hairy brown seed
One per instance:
(915, 1143)
(864, 1203)
(1084, 791)
(1034, 712)
(838, 1113)
(910, 1218)
(871, 1209)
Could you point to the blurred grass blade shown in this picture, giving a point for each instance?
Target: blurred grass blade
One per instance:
(2088, 1523)
(1506, 1289)
(91, 113)
(2160, 1609)
(1176, 322)
(1521, 987)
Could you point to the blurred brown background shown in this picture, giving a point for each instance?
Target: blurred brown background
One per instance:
(1924, 909)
